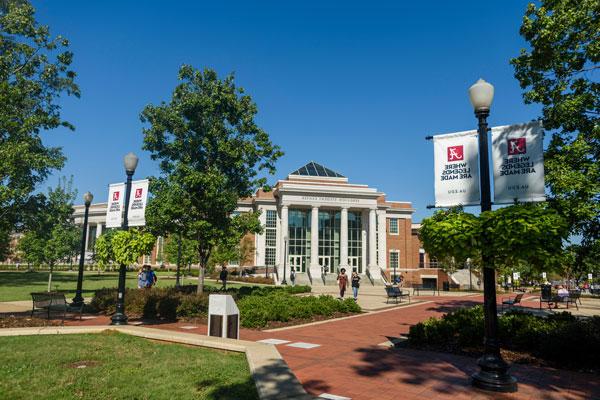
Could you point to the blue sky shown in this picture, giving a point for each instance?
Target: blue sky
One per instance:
(355, 86)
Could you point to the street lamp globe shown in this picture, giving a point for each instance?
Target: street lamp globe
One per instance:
(481, 95)
(87, 198)
(131, 162)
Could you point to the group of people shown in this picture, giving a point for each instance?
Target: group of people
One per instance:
(146, 277)
(342, 280)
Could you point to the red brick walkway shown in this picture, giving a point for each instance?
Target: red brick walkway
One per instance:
(350, 362)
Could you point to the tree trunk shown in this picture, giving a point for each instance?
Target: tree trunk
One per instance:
(200, 279)
(50, 278)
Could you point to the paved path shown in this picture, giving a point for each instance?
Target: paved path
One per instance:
(346, 358)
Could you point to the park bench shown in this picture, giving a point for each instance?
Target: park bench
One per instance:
(418, 288)
(512, 302)
(394, 292)
(48, 302)
(547, 297)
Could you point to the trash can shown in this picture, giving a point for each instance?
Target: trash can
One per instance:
(223, 316)
(446, 286)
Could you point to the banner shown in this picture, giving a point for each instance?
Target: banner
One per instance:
(114, 209)
(456, 169)
(136, 216)
(518, 163)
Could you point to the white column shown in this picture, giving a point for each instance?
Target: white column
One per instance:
(344, 239)
(99, 229)
(284, 233)
(363, 240)
(259, 253)
(87, 237)
(372, 238)
(314, 241)
(382, 236)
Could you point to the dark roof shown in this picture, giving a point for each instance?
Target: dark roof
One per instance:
(314, 169)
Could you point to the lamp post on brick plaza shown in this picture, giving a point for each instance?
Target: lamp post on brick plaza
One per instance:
(493, 370)
(119, 318)
(78, 299)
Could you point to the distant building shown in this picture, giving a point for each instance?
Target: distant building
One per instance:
(316, 222)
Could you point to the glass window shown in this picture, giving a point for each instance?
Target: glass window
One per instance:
(421, 260)
(271, 219)
(393, 226)
(329, 239)
(270, 256)
(394, 257)
(355, 241)
(271, 237)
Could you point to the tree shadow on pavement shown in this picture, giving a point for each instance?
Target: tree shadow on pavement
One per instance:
(419, 371)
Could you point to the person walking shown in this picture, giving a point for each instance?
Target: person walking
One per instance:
(142, 277)
(223, 278)
(355, 284)
(342, 279)
(152, 278)
(293, 277)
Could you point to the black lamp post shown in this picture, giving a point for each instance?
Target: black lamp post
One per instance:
(285, 248)
(493, 370)
(78, 299)
(119, 317)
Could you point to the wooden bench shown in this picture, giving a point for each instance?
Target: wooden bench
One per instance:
(48, 302)
(394, 292)
(512, 302)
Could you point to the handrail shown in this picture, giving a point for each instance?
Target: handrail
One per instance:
(384, 276)
(368, 273)
(309, 275)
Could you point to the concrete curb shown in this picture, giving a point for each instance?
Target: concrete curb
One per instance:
(273, 378)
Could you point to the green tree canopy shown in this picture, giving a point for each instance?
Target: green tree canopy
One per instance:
(523, 233)
(34, 72)
(561, 71)
(211, 153)
(123, 247)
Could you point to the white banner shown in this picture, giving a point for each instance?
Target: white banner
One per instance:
(136, 216)
(518, 162)
(456, 169)
(116, 195)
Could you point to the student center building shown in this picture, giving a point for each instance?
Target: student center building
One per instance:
(316, 222)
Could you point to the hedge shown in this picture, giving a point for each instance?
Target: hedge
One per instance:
(170, 303)
(562, 339)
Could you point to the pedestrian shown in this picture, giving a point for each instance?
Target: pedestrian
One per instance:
(342, 279)
(142, 277)
(223, 278)
(293, 277)
(355, 284)
(152, 278)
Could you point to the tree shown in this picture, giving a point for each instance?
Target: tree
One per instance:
(34, 73)
(189, 253)
(531, 234)
(561, 71)
(211, 153)
(51, 235)
(123, 247)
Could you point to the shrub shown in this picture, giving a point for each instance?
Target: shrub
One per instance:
(559, 338)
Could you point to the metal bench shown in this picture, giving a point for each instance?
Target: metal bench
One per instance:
(512, 302)
(394, 292)
(418, 288)
(48, 302)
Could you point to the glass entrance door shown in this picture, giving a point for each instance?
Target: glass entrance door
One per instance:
(297, 263)
(355, 264)
(326, 263)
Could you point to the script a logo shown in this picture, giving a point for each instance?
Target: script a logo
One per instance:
(116, 196)
(138, 193)
(455, 153)
(517, 146)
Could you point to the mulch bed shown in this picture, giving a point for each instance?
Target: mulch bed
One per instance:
(26, 322)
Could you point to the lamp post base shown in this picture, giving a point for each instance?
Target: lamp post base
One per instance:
(493, 375)
(118, 319)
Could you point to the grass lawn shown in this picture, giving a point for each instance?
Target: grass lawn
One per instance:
(118, 366)
(18, 285)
